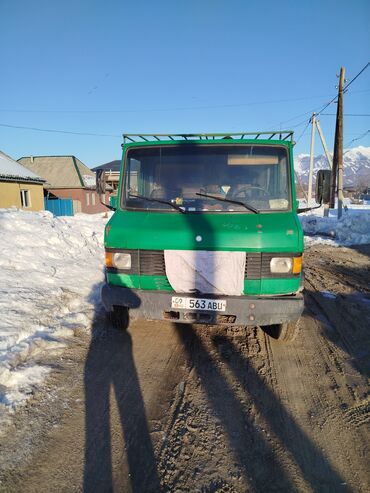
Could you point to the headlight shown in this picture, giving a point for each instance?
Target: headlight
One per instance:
(281, 265)
(118, 260)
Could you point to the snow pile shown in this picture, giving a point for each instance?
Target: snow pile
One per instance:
(353, 228)
(50, 271)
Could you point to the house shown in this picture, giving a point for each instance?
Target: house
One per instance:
(112, 170)
(19, 186)
(67, 177)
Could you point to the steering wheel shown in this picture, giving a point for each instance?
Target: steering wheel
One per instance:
(245, 191)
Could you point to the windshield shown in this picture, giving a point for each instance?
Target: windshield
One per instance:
(207, 178)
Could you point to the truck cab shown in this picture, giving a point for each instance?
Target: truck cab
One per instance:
(206, 231)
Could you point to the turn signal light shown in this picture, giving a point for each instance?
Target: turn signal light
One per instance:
(109, 259)
(297, 264)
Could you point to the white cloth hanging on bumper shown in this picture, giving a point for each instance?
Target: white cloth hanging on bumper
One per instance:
(205, 272)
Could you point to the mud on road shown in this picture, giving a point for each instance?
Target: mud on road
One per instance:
(189, 408)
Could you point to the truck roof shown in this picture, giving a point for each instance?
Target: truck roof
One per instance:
(275, 135)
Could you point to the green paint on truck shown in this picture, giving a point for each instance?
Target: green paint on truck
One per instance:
(196, 196)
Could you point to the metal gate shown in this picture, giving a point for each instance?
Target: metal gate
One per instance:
(59, 207)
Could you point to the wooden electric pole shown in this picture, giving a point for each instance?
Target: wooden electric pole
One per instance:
(338, 150)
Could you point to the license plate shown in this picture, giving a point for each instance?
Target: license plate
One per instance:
(205, 304)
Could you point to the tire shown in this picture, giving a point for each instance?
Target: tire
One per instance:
(285, 332)
(119, 318)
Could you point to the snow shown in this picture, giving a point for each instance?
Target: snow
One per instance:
(89, 180)
(51, 269)
(353, 228)
(329, 295)
(11, 168)
(354, 152)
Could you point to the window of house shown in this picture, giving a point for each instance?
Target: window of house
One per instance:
(25, 198)
(87, 199)
(93, 199)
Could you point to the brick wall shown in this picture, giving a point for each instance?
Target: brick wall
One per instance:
(89, 199)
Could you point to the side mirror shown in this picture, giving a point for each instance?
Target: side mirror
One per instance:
(100, 181)
(323, 186)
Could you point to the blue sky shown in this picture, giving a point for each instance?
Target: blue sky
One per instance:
(108, 67)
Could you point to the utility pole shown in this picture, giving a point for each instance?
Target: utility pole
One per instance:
(338, 150)
(340, 142)
(328, 157)
(323, 141)
(310, 175)
(316, 124)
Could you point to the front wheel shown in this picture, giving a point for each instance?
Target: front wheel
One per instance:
(284, 332)
(119, 317)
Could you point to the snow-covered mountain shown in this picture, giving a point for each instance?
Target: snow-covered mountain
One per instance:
(356, 166)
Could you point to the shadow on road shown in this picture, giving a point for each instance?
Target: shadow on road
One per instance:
(250, 445)
(344, 319)
(314, 466)
(110, 370)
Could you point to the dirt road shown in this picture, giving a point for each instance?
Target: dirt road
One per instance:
(189, 408)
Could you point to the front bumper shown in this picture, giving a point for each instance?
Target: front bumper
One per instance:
(240, 310)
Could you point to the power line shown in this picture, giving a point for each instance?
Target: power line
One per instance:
(347, 114)
(354, 78)
(344, 89)
(58, 131)
(360, 91)
(312, 111)
(304, 131)
(135, 110)
(291, 119)
(318, 112)
(358, 138)
(183, 108)
(328, 104)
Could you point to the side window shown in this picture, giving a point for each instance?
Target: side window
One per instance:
(93, 199)
(87, 198)
(25, 198)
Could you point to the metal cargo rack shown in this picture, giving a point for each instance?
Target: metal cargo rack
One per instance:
(272, 135)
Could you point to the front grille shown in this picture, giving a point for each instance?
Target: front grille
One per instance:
(252, 266)
(151, 263)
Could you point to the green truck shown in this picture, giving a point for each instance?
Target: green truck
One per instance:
(205, 230)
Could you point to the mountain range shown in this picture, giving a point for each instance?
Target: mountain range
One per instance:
(356, 167)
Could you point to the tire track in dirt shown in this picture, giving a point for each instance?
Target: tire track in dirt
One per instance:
(318, 401)
(339, 386)
(207, 409)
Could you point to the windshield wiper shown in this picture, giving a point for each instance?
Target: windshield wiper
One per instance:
(177, 207)
(247, 206)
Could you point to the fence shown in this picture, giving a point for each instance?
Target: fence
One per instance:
(59, 207)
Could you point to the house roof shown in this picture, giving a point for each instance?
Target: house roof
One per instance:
(61, 171)
(11, 170)
(111, 166)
